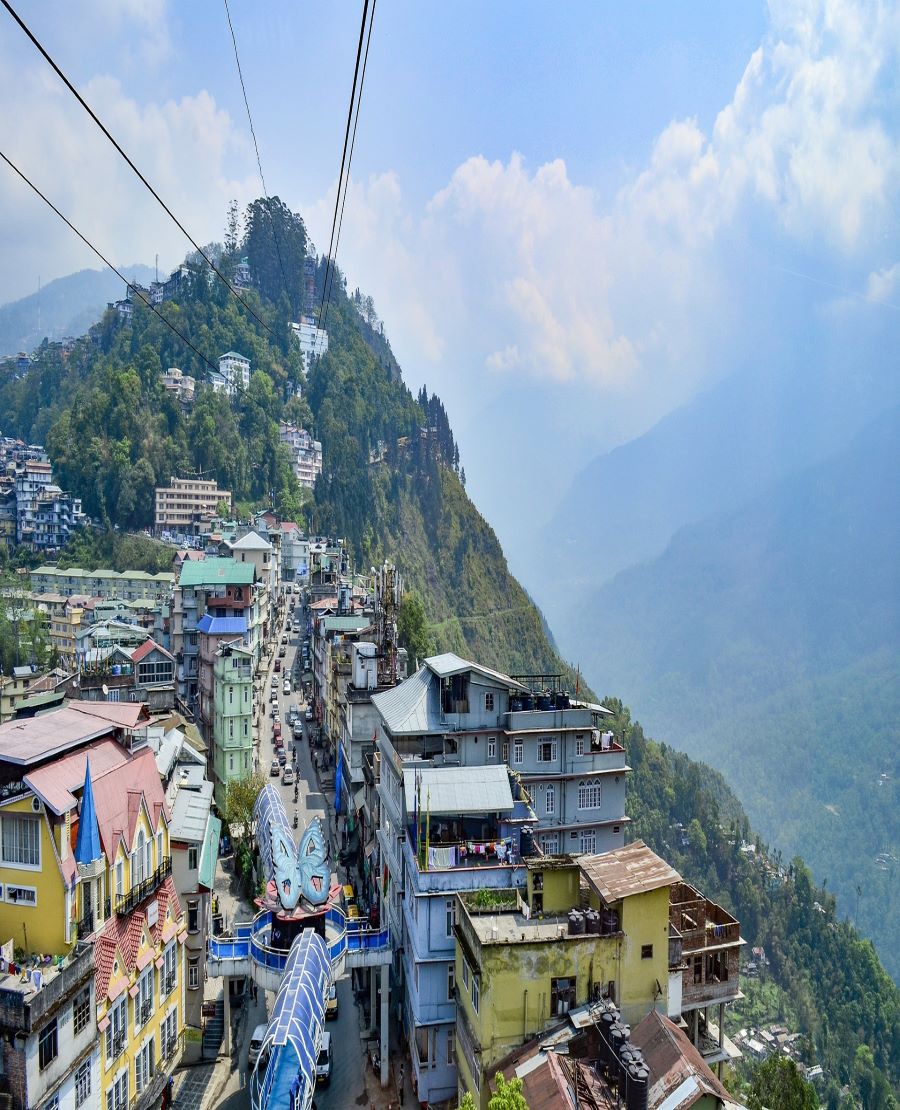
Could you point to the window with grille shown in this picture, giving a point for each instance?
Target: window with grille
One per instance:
(562, 996)
(489, 702)
(143, 1000)
(168, 1034)
(48, 1044)
(588, 795)
(82, 1083)
(20, 841)
(117, 1095)
(143, 1066)
(115, 1031)
(170, 956)
(81, 1010)
(546, 751)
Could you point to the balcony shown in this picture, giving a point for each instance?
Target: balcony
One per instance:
(22, 1005)
(701, 923)
(143, 890)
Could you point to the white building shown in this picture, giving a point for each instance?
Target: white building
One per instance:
(313, 340)
(235, 368)
(306, 453)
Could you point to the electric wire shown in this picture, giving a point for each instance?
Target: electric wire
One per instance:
(256, 148)
(362, 81)
(144, 181)
(106, 261)
(337, 199)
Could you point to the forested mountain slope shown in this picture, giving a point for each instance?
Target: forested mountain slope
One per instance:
(390, 485)
(767, 641)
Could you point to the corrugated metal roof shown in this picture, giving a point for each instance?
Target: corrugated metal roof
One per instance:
(253, 541)
(457, 790)
(679, 1074)
(346, 623)
(222, 626)
(55, 782)
(215, 572)
(412, 707)
(190, 814)
(209, 853)
(634, 869)
(450, 664)
(33, 740)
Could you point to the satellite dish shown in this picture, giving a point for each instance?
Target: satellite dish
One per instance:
(105, 689)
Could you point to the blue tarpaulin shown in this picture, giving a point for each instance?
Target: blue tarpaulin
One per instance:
(338, 775)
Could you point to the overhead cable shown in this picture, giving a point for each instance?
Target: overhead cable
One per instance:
(256, 148)
(90, 111)
(106, 262)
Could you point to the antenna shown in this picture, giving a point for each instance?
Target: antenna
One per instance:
(157, 268)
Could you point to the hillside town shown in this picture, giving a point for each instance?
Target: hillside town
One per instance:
(488, 913)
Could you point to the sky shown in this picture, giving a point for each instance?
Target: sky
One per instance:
(571, 217)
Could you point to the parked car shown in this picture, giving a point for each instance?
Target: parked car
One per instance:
(275, 769)
(323, 1063)
(284, 638)
(276, 731)
(309, 713)
(274, 697)
(256, 1043)
(277, 665)
(286, 687)
(282, 652)
(287, 777)
(282, 757)
(276, 715)
(331, 1006)
(274, 682)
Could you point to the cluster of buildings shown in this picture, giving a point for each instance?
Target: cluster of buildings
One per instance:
(306, 453)
(107, 860)
(312, 340)
(761, 1042)
(34, 511)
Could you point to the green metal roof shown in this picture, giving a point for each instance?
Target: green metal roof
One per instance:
(346, 624)
(210, 853)
(214, 572)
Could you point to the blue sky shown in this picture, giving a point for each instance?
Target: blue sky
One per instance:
(571, 217)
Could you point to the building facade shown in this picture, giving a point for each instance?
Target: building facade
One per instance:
(188, 503)
(306, 453)
(126, 585)
(232, 734)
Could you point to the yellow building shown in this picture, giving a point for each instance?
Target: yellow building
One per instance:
(586, 927)
(85, 852)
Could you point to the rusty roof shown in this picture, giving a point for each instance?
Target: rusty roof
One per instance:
(634, 869)
(672, 1061)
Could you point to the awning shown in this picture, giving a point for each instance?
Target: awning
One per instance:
(359, 800)
(369, 848)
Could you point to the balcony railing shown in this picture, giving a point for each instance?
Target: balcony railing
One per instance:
(143, 890)
(86, 925)
(168, 984)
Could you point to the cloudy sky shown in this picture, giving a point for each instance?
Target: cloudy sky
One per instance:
(571, 217)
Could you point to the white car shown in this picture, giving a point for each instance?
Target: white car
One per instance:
(286, 687)
(256, 1043)
(323, 1063)
(287, 775)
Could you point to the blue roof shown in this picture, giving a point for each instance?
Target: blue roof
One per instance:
(222, 626)
(87, 845)
(271, 818)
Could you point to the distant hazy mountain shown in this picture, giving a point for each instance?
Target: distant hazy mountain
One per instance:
(66, 306)
(765, 421)
(767, 641)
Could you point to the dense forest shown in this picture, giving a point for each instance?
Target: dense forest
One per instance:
(392, 484)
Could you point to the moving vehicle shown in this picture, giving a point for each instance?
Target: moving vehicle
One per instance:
(256, 1043)
(286, 688)
(281, 758)
(274, 769)
(282, 652)
(323, 1063)
(277, 665)
(331, 1006)
(276, 713)
(298, 731)
(287, 776)
(284, 638)
(309, 713)
(274, 697)
(274, 683)
(276, 732)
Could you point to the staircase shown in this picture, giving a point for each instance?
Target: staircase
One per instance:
(214, 1032)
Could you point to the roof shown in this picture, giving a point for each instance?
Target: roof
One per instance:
(55, 783)
(119, 795)
(253, 541)
(216, 571)
(679, 1075)
(412, 707)
(346, 623)
(31, 741)
(233, 354)
(144, 650)
(190, 813)
(87, 845)
(222, 626)
(456, 790)
(634, 869)
(450, 664)
(209, 853)
(121, 714)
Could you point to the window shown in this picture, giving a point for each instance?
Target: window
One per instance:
(82, 1083)
(588, 842)
(518, 751)
(550, 844)
(588, 795)
(450, 907)
(550, 799)
(546, 752)
(455, 694)
(193, 973)
(489, 702)
(150, 673)
(698, 969)
(193, 858)
(451, 980)
(492, 747)
(562, 996)
(646, 951)
(451, 1047)
(160, 848)
(21, 841)
(476, 993)
(81, 1010)
(137, 861)
(169, 971)
(168, 1034)
(579, 745)
(505, 751)
(48, 1045)
(143, 1000)
(52, 1103)
(143, 1066)
(22, 895)
(193, 921)
(115, 1031)
(120, 878)
(465, 971)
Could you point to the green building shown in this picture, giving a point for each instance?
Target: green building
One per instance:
(232, 738)
(586, 927)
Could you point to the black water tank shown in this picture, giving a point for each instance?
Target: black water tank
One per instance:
(543, 701)
(526, 843)
(637, 1086)
(607, 1021)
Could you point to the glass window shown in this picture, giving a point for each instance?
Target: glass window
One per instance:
(518, 752)
(579, 745)
(451, 1047)
(170, 956)
(550, 844)
(143, 1066)
(81, 1010)
(451, 980)
(193, 921)
(476, 993)
(465, 971)
(193, 858)
(546, 751)
(505, 751)
(21, 841)
(588, 795)
(492, 748)
(82, 1083)
(193, 973)
(120, 878)
(115, 1031)
(588, 842)
(562, 996)
(48, 1044)
(550, 799)
(646, 951)
(143, 1000)
(489, 702)
(117, 1095)
(137, 861)
(450, 908)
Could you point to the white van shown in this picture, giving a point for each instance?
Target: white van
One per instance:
(256, 1043)
(323, 1063)
(287, 776)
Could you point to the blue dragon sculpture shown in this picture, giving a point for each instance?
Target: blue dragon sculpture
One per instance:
(302, 872)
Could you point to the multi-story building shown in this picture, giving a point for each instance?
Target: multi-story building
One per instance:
(182, 386)
(84, 776)
(235, 368)
(306, 453)
(214, 631)
(232, 734)
(138, 674)
(126, 585)
(221, 588)
(294, 553)
(254, 548)
(187, 504)
(45, 516)
(312, 340)
(583, 928)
